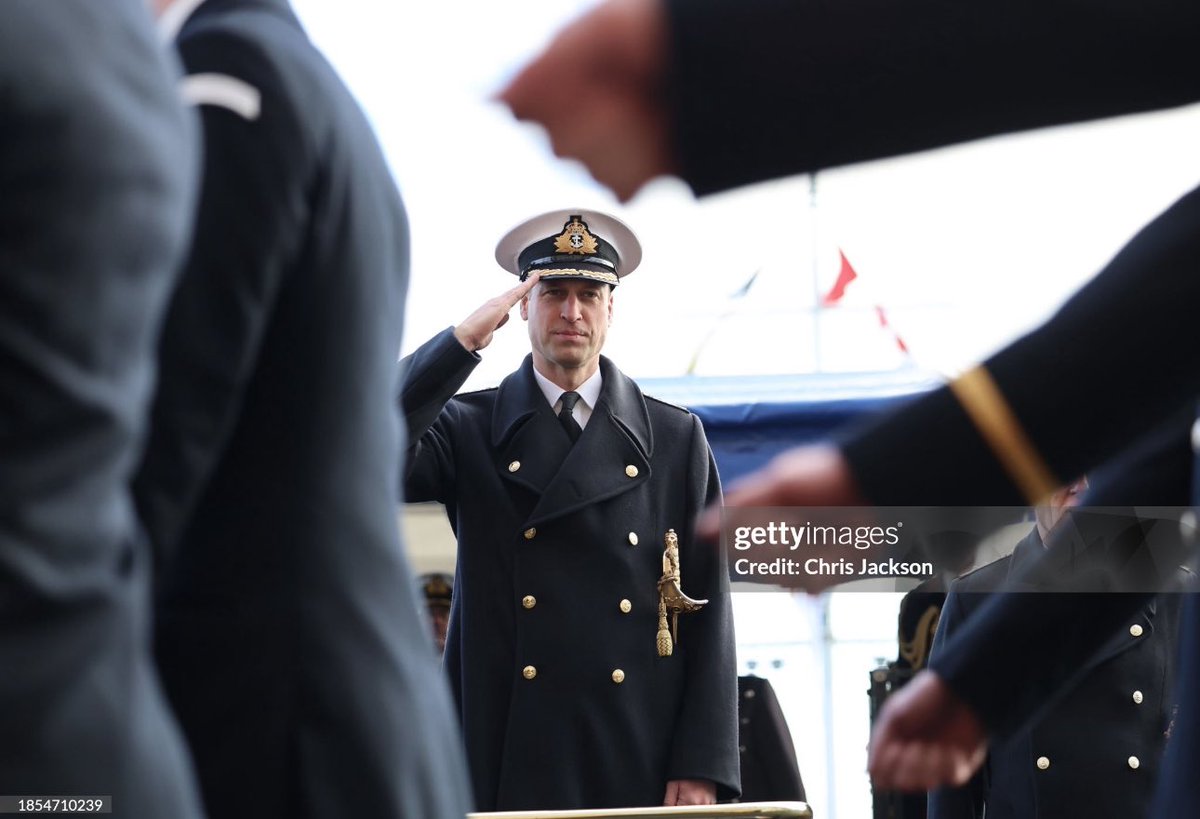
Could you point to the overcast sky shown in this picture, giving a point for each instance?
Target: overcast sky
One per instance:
(963, 247)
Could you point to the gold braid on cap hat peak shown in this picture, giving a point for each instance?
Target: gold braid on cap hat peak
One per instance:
(602, 276)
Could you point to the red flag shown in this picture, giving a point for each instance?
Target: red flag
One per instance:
(886, 325)
(845, 276)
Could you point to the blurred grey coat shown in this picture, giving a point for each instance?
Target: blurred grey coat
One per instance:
(290, 638)
(97, 176)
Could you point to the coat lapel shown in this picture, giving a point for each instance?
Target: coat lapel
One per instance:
(529, 442)
(616, 442)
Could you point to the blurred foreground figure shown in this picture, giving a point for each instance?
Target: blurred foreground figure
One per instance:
(289, 637)
(97, 166)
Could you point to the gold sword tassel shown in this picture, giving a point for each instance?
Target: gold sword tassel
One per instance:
(665, 646)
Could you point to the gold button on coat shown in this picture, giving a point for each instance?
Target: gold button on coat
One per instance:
(1135, 630)
(530, 533)
(1137, 697)
(514, 466)
(633, 538)
(1134, 763)
(529, 601)
(631, 471)
(618, 676)
(626, 606)
(529, 672)
(1043, 762)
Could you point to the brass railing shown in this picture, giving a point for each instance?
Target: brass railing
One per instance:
(739, 810)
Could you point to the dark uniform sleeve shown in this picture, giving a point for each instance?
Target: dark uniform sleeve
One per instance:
(706, 736)
(1060, 375)
(766, 88)
(249, 228)
(429, 378)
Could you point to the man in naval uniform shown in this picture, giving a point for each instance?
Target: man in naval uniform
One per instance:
(289, 635)
(1096, 750)
(561, 486)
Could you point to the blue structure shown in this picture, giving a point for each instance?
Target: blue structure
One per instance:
(750, 419)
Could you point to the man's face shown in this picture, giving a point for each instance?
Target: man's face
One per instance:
(568, 322)
(439, 616)
(1049, 514)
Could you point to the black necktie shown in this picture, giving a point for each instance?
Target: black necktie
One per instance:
(569, 400)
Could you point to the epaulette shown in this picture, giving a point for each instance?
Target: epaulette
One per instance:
(668, 404)
(993, 566)
(222, 91)
(475, 392)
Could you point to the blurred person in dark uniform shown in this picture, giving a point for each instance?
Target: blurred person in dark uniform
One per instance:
(951, 552)
(729, 93)
(97, 180)
(770, 772)
(438, 588)
(578, 684)
(916, 624)
(289, 636)
(1095, 752)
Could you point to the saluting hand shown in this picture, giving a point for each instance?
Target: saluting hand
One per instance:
(616, 52)
(476, 330)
